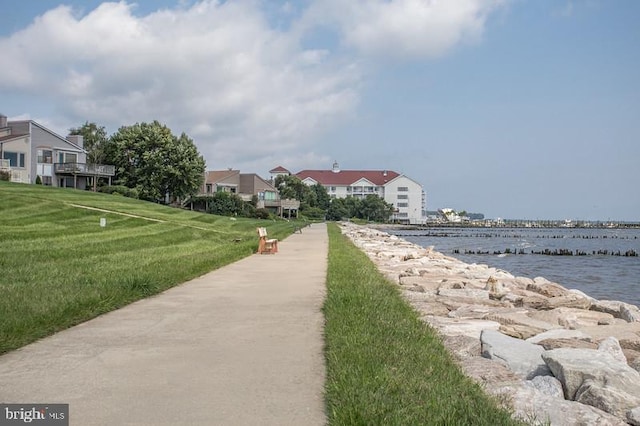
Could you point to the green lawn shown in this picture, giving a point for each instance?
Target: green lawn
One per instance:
(59, 267)
(384, 365)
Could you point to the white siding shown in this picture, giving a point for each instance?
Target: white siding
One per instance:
(405, 191)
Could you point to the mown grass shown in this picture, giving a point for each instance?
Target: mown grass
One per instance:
(385, 366)
(58, 267)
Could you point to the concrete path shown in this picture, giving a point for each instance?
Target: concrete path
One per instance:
(239, 346)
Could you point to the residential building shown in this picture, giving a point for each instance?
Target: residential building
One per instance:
(29, 150)
(403, 193)
(246, 185)
(278, 171)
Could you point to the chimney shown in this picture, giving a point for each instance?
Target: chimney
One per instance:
(3, 121)
(76, 139)
(336, 167)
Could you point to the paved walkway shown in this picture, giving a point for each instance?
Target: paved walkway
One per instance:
(239, 346)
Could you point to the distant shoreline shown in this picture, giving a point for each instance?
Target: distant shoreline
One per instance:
(543, 224)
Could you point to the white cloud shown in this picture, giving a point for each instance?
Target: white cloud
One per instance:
(247, 93)
(404, 28)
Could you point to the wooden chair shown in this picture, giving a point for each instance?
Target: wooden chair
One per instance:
(266, 245)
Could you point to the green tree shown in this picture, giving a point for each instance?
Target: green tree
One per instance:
(150, 158)
(322, 198)
(94, 140)
(352, 205)
(375, 209)
(291, 187)
(337, 210)
(225, 204)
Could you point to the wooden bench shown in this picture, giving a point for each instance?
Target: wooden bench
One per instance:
(266, 245)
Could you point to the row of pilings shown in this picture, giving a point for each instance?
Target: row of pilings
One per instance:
(554, 252)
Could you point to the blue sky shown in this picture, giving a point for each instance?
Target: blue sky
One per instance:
(511, 108)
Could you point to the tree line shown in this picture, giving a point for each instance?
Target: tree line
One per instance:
(149, 159)
(153, 164)
(315, 202)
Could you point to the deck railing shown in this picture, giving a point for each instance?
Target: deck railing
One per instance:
(85, 169)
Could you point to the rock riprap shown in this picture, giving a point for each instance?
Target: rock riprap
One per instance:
(553, 355)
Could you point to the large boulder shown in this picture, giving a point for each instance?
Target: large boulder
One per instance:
(424, 303)
(522, 357)
(609, 306)
(464, 293)
(573, 318)
(596, 378)
(570, 300)
(462, 347)
(549, 344)
(559, 333)
(536, 407)
(517, 323)
(535, 301)
(547, 288)
(497, 289)
(548, 385)
(612, 346)
(630, 313)
(627, 333)
(489, 373)
(633, 416)
(456, 327)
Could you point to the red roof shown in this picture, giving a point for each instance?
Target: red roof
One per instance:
(279, 169)
(348, 177)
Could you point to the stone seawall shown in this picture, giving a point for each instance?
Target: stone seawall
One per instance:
(553, 355)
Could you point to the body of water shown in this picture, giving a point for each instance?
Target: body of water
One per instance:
(603, 262)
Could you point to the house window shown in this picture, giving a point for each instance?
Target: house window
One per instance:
(403, 189)
(16, 159)
(333, 189)
(65, 182)
(67, 157)
(403, 197)
(403, 204)
(402, 214)
(209, 188)
(45, 156)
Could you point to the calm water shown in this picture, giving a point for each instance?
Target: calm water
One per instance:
(603, 276)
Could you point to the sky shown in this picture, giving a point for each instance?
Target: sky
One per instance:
(517, 109)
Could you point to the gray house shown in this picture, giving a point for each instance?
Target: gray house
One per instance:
(246, 185)
(28, 150)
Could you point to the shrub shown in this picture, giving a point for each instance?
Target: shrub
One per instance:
(119, 190)
(38, 180)
(314, 213)
(262, 214)
(5, 175)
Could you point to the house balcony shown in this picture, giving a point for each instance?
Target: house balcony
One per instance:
(285, 204)
(82, 169)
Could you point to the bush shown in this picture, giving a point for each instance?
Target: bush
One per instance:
(314, 213)
(5, 175)
(262, 214)
(119, 190)
(38, 180)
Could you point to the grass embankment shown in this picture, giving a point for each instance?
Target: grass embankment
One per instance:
(384, 365)
(58, 267)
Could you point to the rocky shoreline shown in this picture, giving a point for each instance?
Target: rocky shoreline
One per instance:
(552, 355)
